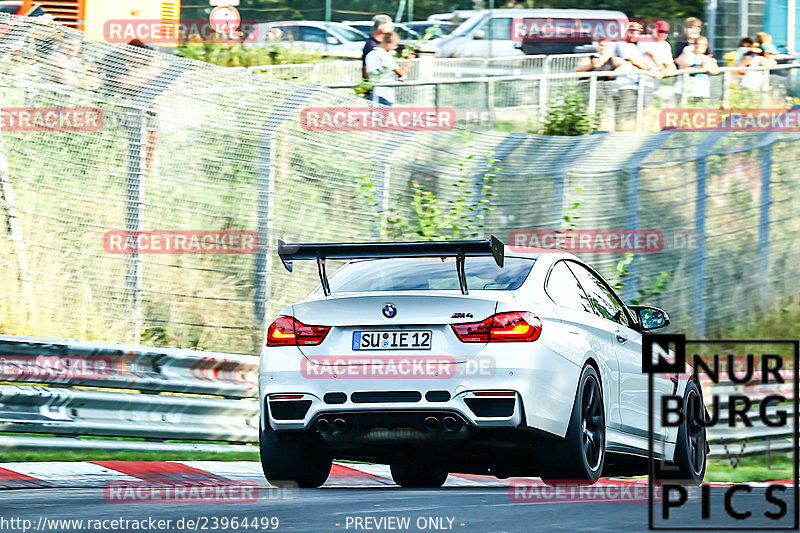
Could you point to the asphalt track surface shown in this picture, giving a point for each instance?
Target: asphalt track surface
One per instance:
(481, 509)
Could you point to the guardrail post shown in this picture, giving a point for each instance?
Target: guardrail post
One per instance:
(763, 224)
(134, 218)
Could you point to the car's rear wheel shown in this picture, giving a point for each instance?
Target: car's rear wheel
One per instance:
(691, 448)
(580, 456)
(419, 475)
(292, 459)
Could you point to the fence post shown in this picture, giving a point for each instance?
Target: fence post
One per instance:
(763, 224)
(684, 90)
(640, 103)
(15, 230)
(542, 112)
(699, 314)
(490, 102)
(592, 107)
(726, 90)
(134, 218)
(265, 181)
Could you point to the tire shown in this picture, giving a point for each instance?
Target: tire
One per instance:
(691, 448)
(290, 459)
(418, 475)
(579, 457)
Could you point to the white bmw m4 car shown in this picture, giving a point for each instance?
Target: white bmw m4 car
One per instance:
(465, 357)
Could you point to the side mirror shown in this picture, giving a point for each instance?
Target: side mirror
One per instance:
(480, 34)
(332, 40)
(650, 317)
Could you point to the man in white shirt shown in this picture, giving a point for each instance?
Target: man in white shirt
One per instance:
(659, 52)
(383, 68)
(628, 85)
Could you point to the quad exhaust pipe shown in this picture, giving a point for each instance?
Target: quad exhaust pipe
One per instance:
(431, 424)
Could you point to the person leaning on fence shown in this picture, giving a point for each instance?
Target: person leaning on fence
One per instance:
(628, 85)
(383, 68)
(604, 61)
(64, 64)
(697, 88)
(756, 56)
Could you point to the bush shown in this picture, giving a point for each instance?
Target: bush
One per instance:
(569, 116)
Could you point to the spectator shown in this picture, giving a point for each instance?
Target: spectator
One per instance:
(764, 41)
(64, 64)
(658, 53)
(734, 57)
(383, 68)
(604, 61)
(755, 57)
(381, 25)
(702, 65)
(628, 85)
(691, 28)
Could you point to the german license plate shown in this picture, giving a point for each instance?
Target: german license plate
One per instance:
(392, 340)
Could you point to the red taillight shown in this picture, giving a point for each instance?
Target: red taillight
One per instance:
(516, 326)
(287, 331)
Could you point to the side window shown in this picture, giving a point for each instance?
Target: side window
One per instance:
(313, 34)
(499, 29)
(603, 300)
(563, 288)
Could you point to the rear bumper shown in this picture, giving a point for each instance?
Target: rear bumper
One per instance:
(540, 383)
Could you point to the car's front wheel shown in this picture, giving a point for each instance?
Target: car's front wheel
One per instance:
(291, 459)
(580, 456)
(418, 475)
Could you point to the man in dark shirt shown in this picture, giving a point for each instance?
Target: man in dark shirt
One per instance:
(691, 28)
(381, 25)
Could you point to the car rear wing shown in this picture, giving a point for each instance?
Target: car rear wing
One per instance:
(379, 250)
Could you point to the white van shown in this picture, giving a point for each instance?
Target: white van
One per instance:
(508, 32)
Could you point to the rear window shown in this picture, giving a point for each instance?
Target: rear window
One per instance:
(412, 274)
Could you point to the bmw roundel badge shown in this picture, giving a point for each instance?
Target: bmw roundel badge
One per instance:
(389, 311)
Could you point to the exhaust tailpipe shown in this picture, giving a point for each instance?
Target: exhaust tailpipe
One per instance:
(432, 423)
(450, 423)
(339, 425)
(323, 426)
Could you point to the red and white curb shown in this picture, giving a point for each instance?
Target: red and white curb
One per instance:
(98, 473)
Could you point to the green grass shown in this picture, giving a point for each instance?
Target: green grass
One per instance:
(753, 468)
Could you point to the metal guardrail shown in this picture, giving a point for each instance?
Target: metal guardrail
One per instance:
(157, 394)
(162, 394)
